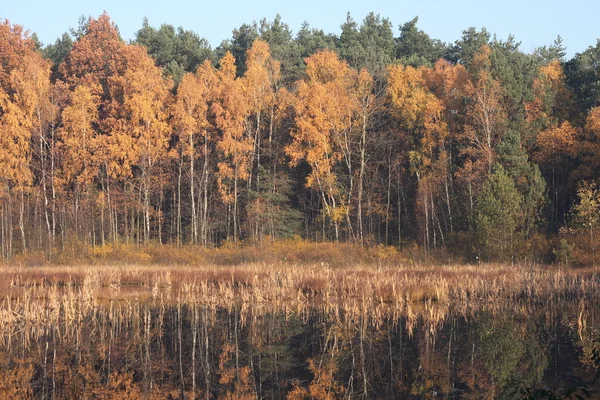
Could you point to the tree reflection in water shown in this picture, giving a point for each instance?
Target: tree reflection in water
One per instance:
(157, 349)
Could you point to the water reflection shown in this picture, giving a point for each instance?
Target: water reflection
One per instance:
(156, 349)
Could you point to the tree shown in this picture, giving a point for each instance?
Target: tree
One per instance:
(587, 148)
(267, 98)
(527, 178)
(449, 83)
(515, 71)
(371, 46)
(556, 149)
(556, 51)
(78, 145)
(131, 130)
(552, 100)
(486, 116)
(367, 103)
(324, 117)
(96, 56)
(497, 216)
(310, 40)
(58, 51)
(146, 98)
(583, 77)
(466, 48)
(99, 60)
(241, 40)
(24, 88)
(421, 116)
(231, 110)
(283, 48)
(586, 212)
(414, 47)
(551, 136)
(78, 138)
(175, 50)
(191, 120)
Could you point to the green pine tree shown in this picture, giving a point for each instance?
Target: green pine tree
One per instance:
(498, 216)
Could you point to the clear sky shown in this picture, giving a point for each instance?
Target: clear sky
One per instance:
(532, 22)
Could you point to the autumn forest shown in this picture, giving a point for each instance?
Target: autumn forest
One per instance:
(472, 150)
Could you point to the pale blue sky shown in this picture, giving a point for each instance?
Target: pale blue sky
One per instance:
(532, 22)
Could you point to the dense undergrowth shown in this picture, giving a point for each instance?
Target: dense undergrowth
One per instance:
(291, 252)
(572, 250)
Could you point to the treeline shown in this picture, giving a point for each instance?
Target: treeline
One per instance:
(474, 150)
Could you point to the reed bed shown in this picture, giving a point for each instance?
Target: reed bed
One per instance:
(35, 299)
(262, 282)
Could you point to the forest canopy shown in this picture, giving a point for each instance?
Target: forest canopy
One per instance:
(381, 135)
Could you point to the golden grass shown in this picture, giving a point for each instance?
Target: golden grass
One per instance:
(58, 294)
(288, 281)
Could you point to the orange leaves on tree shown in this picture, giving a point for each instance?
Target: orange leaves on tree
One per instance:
(552, 101)
(486, 115)
(323, 109)
(146, 96)
(231, 110)
(24, 88)
(555, 143)
(419, 112)
(449, 84)
(194, 96)
(261, 77)
(592, 124)
(96, 56)
(326, 109)
(15, 45)
(588, 147)
(78, 136)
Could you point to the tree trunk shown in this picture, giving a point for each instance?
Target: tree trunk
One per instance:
(361, 175)
(194, 227)
(22, 220)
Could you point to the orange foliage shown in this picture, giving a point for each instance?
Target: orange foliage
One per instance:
(486, 114)
(553, 100)
(419, 111)
(24, 88)
(231, 110)
(78, 136)
(555, 143)
(146, 96)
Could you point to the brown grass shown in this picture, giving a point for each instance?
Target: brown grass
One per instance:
(290, 282)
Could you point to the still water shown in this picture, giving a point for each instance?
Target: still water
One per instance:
(150, 349)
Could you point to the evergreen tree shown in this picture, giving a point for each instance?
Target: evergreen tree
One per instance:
(527, 179)
(464, 50)
(175, 50)
(371, 46)
(583, 77)
(283, 48)
(310, 40)
(415, 47)
(556, 51)
(497, 216)
(58, 51)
